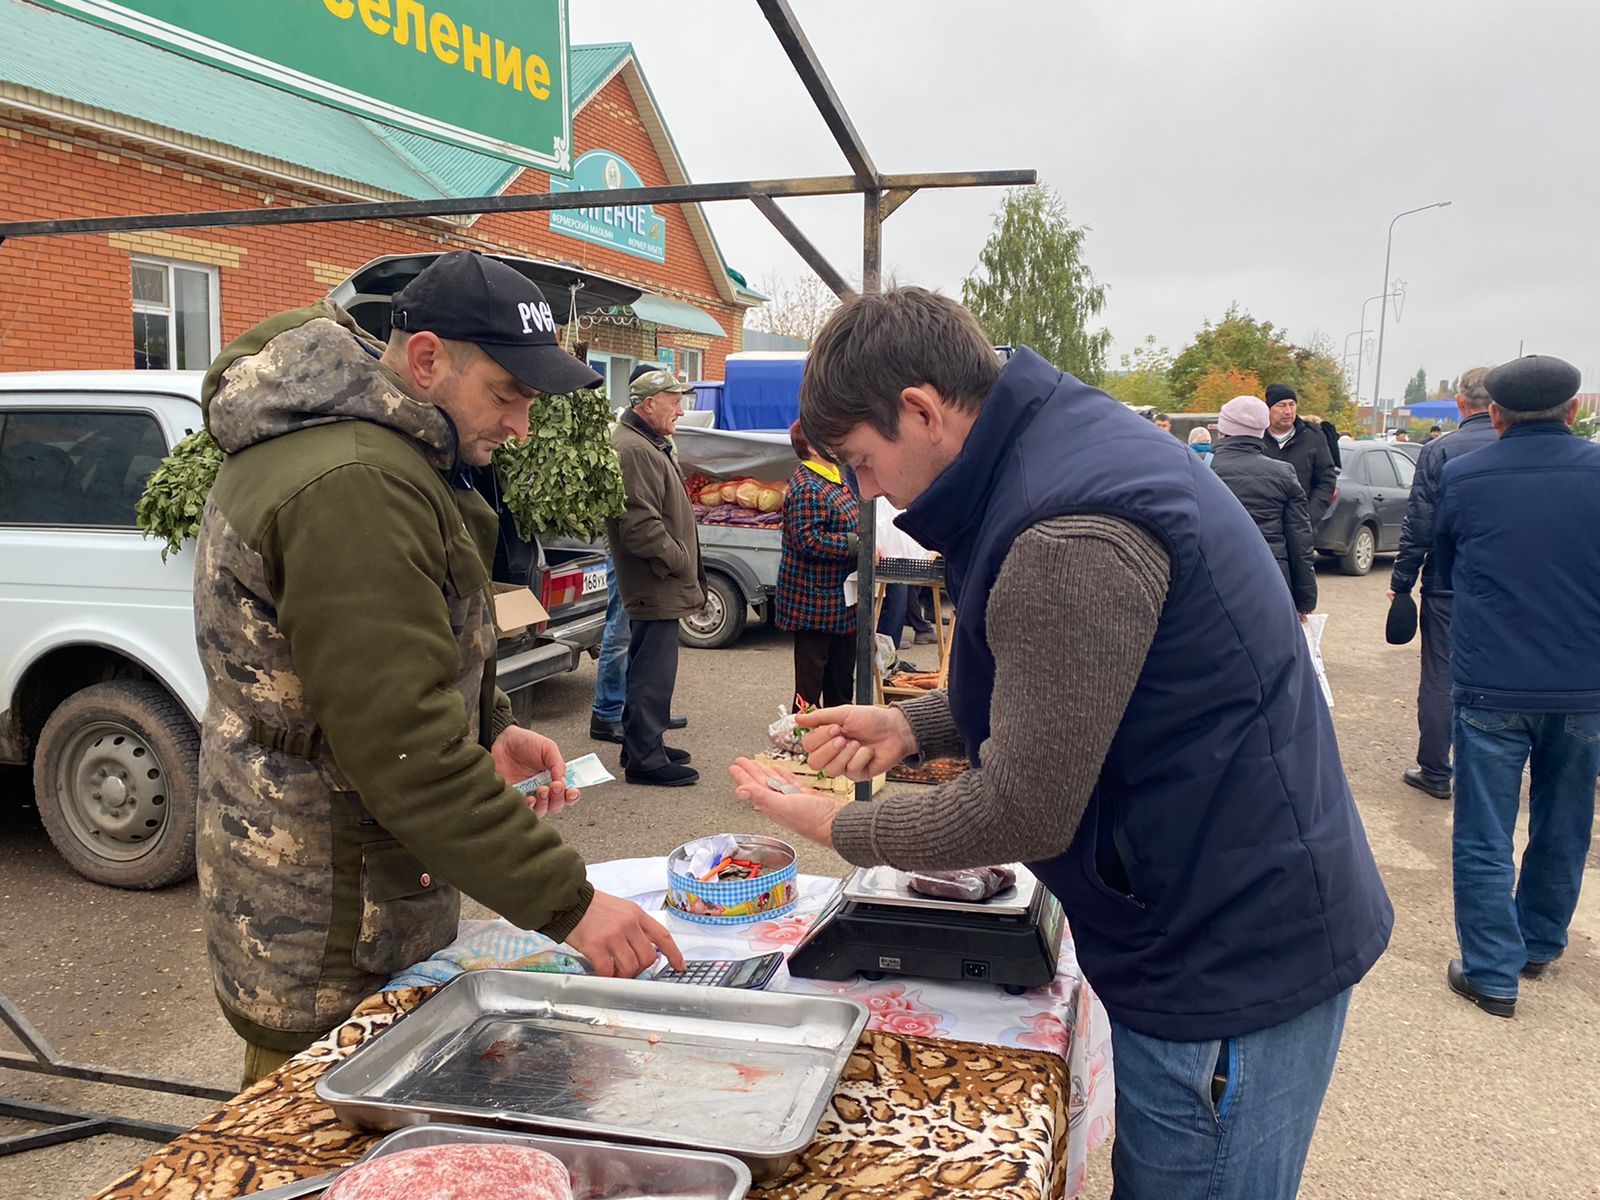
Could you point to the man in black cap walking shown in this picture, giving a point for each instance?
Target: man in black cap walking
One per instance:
(1305, 449)
(1518, 532)
(356, 757)
(1434, 708)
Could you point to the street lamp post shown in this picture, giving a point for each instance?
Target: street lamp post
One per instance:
(1361, 348)
(1344, 359)
(1377, 369)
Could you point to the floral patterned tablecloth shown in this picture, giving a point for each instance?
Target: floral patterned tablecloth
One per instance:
(954, 1091)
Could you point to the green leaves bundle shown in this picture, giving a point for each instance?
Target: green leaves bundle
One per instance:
(563, 478)
(175, 494)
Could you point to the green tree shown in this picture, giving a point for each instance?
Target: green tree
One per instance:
(1417, 387)
(1319, 381)
(1143, 378)
(1033, 288)
(1241, 345)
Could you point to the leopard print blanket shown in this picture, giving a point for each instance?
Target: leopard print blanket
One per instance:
(913, 1117)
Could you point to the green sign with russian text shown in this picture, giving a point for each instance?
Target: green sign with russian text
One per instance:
(484, 74)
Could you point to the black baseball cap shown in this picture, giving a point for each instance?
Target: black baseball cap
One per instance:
(470, 297)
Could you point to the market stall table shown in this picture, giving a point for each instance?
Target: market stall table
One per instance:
(954, 1090)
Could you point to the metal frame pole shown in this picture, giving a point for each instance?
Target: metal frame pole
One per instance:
(867, 529)
(394, 210)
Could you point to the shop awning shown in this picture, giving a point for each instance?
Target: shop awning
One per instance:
(677, 314)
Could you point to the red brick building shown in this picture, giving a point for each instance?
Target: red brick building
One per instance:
(148, 131)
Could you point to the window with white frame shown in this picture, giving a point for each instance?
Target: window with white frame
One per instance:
(691, 364)
(176, 322)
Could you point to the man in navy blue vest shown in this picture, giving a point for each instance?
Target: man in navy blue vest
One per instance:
(1519, 523)
(1435, 711)
(1144, 725)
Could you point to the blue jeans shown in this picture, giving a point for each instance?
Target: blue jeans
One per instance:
(611, 678)
(1504, 922)
(1185, 1134)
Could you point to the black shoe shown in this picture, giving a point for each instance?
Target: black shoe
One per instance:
(1439, 791)
(677, 722)
(681, 758)
(671, 775)
(1532, 970)
(1497, 1005)
(605, 731)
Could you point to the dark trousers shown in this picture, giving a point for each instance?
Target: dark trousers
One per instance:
(652, 674)
(903, 605)
(896, 608)
(1434, 708)
(824, 667)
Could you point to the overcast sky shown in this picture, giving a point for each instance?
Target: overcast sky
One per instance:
(1230, 150)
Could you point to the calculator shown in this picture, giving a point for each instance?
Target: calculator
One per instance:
(754, 973)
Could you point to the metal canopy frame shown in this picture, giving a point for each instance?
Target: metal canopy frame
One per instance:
(882, 195)
(70, 1125)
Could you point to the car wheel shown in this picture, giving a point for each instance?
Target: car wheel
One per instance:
(1363, 549)
(720, 622)
(115, 776)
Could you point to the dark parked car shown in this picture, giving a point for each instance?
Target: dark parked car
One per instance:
(1369, 505)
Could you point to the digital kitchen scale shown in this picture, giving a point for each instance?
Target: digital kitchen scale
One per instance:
(876, 926)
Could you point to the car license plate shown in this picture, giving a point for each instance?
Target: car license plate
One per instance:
(594, 581)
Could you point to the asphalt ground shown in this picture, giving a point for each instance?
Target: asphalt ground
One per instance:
(1431, 1097)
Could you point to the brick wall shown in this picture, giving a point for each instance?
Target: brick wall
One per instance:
(67, 302)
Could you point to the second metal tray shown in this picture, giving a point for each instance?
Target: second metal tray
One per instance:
(743, 1073)
(600, 1171)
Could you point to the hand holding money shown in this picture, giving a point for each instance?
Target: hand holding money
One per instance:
(587, 771)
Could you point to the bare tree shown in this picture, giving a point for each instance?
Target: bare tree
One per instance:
(795, 307)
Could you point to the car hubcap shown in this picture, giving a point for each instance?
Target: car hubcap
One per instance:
(709, 619)
(113, 791)
(1364, 550)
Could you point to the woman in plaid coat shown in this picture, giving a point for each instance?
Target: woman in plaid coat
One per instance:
(819, 550)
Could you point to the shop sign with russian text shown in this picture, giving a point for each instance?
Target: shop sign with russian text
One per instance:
(631, 228)
(483, 74)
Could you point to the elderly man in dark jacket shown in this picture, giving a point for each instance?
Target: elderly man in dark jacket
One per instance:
(1270, 493)
(1519, 527)
(1432, 772)
(655, 550)
(1291, 440)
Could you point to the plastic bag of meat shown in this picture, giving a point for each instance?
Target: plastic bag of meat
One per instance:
(970, 884)
(465, 1171)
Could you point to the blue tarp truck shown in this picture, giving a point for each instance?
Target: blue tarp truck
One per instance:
(760, 390)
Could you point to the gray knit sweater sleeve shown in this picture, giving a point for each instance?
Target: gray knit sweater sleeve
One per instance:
(1070, 620)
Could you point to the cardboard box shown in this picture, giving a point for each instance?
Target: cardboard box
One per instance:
(515, 608)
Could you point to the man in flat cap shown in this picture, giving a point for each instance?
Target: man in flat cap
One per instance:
(1518, 534)
(1435, 710)
(655, 552)
(356, 759)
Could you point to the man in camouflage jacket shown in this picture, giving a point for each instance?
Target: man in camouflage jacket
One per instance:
(356, 753)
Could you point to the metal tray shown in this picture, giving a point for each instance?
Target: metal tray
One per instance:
(716, 1069)
(885, 885)
(599, 1170)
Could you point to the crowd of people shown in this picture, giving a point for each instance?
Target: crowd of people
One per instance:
(1184, 798)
